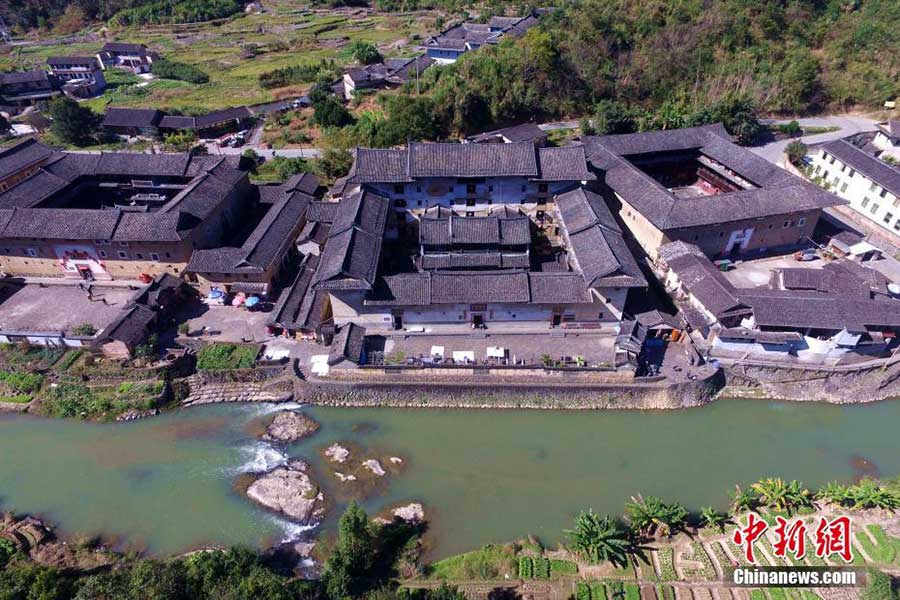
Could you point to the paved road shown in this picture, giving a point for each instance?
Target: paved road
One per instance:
(849, 125)
(267, 154)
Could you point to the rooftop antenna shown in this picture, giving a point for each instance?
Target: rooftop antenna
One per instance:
(4, 32)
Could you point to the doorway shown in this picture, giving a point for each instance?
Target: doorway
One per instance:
(478, 320)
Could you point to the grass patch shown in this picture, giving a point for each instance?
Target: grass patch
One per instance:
(24, 383)
(226, 356)
(526, 567)
(563, 567)
(582, 591)
(17, 399)
(757, 595)
(541, 568)
(883, 550)
(598, 592)
(632, 591)
(492, 561)
(70, 400)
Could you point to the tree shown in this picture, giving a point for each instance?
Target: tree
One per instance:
(652, 516)
(595, 539)
(713, 519)
(796, 152)
(868, 494)
(365, 52)
(611, 117)
(331, 113)
(347, 570)
(72, 20)
(878, 586)
(780, 495)
(73, 123)
(409, 118)
(742, 500)
(179, 141)
(334, 162)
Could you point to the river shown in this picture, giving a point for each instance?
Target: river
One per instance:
(164, 485)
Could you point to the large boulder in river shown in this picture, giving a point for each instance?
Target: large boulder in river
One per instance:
(289, 426)
(290, 491)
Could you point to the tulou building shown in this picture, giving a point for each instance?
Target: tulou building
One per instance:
(451, 237)
(695, 185)
(102, 216)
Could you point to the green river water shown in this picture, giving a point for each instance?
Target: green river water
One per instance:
(165, 484)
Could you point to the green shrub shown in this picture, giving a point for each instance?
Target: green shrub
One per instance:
(7, 550)
(85, 329)
(298, 74)
(526, 567)
(632, 592)
(168, 69)
(226, 356)
(541, 568)
(582, 591)
(25, 383)
(598, 591)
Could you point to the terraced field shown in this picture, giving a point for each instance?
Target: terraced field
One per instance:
(233, 52)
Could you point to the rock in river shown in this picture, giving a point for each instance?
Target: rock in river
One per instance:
(289, 426)
(290, 491)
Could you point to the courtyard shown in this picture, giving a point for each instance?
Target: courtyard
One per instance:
(58, 308)
(596, 350)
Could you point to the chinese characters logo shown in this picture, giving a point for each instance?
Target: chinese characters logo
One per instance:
(829, 537)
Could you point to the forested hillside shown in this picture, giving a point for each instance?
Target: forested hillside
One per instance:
(655, 63)
(67, 16)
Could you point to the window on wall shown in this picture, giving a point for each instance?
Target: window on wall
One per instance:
(787, 224)
(874, 209)
(865, 202)
(873, 187)
(122, 254)
(398, 188)
(154, 256)
(801, 221)
(139, 256)
(818, 169)
(32, 252)
(844, 187)
(887, 217)
(542, 188)
(897, 225)
(102, 253)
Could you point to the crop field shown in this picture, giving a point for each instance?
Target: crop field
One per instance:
(234, 52)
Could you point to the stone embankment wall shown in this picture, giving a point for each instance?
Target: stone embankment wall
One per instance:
(836, 385)
(539, 395)
(244, 385)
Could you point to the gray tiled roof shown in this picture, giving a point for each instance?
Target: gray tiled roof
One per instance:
(520, 159)
(132, 326)
(265, 245)
(33, 76)
(62, 224)
(352, 252)
(472, 160)
(567, 163)
(409, 289)
(558, 288)
(598, 250)
(148, 227)
(197, 199)
(322, 212)
(348, 344)
(795, 309)
(83, 61)
(707, 284)
(885, 175)
(453, 230)
(132, 117)
(779, 192)
(15, 158)
(479, 287)
(294, 307)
